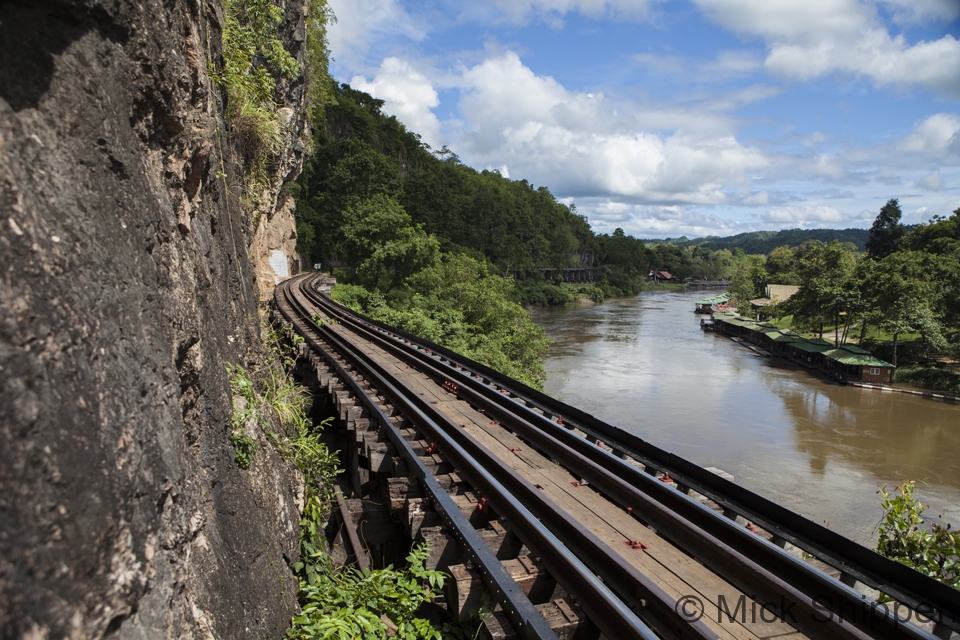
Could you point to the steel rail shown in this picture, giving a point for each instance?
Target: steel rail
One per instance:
(610, 615)
(650, 602)
(521, 613)
(502, 484)
(926, 596)
(744, 559)
(749, 575)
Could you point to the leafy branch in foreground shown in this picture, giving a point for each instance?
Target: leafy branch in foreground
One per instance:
(905, 538)
(344, 602)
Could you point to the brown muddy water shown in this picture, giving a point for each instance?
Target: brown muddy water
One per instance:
(815, 447)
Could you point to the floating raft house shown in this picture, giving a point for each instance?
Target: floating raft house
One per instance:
(848, 362)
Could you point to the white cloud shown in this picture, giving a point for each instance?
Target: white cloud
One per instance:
(937, 135)
(586, 145)
(930, 182)
(358, 21)
(761, 198)
(909, 12)
(886, 60)
(807, 39)
(553, 11)
(814, 139)
(407, 94)
(790, 20)
(810, 216)
(651, 221)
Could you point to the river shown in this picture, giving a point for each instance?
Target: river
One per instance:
(815, 447)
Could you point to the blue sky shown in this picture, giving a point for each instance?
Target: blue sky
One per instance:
(679, 117)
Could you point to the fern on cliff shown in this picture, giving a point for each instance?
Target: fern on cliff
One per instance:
(254, 60)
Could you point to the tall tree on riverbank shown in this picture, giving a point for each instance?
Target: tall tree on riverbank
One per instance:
(905, 299)
(886, 232)
(826, 290)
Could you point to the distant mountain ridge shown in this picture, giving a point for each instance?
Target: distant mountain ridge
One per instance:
(757, 242)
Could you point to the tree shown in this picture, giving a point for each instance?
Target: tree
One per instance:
(383, 246)
(886, 232)
(825, 293)
(905, 298)
(741, 287)
(781, 266)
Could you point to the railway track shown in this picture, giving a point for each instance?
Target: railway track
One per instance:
(687, 571)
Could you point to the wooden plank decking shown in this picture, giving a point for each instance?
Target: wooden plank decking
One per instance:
(677, 573)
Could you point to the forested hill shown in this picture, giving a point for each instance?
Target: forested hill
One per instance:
(763, 242)
(361, 153)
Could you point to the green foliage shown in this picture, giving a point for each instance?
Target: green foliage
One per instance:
(458, 303)
(886, 231)
(383, 246)
(829, 289)
(764, 242)
(782, 265)
(349, 604)
(244, 448)
(904, 298)
(905, 537)
(910, 287)
(361, 153)
(319, 85)
(930, 378)
(271, 399)
(285, 400)
(254, 60)
(695, 262)
(244, 411)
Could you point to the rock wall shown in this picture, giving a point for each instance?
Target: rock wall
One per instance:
(126, 285)
(274, 248)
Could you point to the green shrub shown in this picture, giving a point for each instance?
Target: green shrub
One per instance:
(930, 378)
(320, 86)
(344, 602)
(905, 537)
(254, 60)
(458, 303)
(244, 408)
(244, 447)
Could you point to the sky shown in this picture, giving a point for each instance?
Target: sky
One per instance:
(679, 117)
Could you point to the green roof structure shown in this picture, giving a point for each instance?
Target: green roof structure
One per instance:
(717, 299)
(856, 359)
(782, 336)
(809, 347)
(852, 348)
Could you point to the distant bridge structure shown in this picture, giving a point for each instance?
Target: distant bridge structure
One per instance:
(572, 274)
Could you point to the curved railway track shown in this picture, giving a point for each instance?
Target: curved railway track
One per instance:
(621, 599)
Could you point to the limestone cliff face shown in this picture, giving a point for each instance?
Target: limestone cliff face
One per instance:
(126, 285)
(274, 247)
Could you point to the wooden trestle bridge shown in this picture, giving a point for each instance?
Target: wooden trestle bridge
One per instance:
(574, 528)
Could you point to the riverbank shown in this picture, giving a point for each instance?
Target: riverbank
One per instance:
(663, 286)
(915, 392)
(930, 378)
(542, 293)
(847, 362)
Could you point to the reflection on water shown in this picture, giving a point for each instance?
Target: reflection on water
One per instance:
(820, 449)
